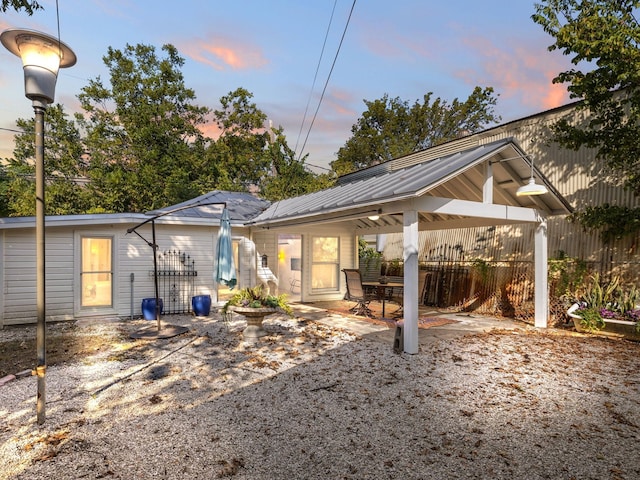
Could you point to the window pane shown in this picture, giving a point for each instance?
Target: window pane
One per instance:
(224, 293)
(325, 249)
(96, 272)
(325, 262)
(324, 277)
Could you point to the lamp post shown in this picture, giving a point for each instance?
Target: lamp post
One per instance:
(42, 55)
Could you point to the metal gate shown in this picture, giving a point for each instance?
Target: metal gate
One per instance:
(176, 281)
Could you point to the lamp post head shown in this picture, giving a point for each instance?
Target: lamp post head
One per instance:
(42, 56)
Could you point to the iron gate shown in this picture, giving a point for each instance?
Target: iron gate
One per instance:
(176, 281)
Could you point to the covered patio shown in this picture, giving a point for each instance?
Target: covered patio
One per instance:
(432, 191)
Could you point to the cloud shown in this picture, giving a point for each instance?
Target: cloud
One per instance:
(223, 53)
(518, 70)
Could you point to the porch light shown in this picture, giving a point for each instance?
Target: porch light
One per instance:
(42, 56)
(531, 188)
(376, 215)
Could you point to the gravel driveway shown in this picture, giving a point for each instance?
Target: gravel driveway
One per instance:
(315, 401)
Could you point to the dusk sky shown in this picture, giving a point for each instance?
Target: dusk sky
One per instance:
(272, 48)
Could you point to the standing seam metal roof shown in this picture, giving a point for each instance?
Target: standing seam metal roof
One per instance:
(389, 186)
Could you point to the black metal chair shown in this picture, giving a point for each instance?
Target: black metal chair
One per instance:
(357, 293)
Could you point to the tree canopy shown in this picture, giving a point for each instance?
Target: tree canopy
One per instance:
(141, 131)
(602, 39)
(137, 145)
(391, 127)
(29, 6)
(64, 168)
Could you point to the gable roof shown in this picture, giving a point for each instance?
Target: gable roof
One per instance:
(459, 175)
(242, 206)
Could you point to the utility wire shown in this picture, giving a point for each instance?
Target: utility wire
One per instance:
(324, 44)
(327, 81)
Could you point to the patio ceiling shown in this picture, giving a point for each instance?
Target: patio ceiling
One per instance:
(448, 192)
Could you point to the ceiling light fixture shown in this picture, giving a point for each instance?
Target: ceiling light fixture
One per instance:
(375, 216)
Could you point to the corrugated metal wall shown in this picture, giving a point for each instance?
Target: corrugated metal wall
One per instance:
(579, 177)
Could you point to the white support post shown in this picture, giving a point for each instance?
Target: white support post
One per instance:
(541, 308)
(487, 187)
(410, 298)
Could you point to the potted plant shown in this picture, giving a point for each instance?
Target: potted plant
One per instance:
(255, 304)
(606, 307)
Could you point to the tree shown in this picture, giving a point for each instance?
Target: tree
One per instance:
(17, 5)
(601, 36)
(391, 128)
(289, 177)
(248, 156)
(240, 150)
(141, 131)
(64, 168)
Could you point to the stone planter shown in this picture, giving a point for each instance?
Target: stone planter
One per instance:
(612, 327)
(254, 317)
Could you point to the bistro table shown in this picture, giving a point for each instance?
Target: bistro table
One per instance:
(381, 290)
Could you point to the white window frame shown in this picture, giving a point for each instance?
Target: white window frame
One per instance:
(335, 263)
(102, 309)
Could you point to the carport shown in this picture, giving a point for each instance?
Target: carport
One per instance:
(426, 191)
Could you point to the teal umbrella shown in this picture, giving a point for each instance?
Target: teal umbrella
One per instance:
(225, 267)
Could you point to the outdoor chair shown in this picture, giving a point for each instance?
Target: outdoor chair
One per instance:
(396, 295)
(357, 293)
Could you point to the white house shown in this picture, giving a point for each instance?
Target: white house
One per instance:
(94, 267)
(467, 185)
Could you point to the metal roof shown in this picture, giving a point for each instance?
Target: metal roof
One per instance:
(206, 210)
(242, 206)
(459, 175)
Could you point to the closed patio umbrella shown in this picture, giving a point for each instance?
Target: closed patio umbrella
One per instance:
(225, 267)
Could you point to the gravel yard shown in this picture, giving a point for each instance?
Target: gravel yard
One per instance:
(314, 401)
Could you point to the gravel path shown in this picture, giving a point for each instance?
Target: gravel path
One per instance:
(314, 402)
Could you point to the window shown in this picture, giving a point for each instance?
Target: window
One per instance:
(96, 272)
(325, 255)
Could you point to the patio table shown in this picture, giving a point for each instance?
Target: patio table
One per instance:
(381, 290)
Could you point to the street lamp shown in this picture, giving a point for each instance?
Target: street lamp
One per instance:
(42, 55)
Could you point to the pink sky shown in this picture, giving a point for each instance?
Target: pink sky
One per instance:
(273, 48)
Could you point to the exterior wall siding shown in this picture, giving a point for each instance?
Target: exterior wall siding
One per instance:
(131, 256)
(136, 257)
(267, 241)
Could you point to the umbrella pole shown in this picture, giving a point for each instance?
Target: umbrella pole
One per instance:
(155, 271)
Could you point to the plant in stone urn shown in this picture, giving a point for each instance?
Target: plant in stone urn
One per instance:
(255, 304)
(607, 307)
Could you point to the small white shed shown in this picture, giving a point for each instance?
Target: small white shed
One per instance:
(94, 267)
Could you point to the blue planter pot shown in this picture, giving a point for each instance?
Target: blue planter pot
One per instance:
(149, 308)
(201, 305)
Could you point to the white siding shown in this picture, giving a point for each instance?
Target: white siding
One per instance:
(266, 240)
(131, 255)
(136, 257)
(19, 282)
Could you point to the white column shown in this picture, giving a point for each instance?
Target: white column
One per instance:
(541, 312)
(487, 187)
(410, 300)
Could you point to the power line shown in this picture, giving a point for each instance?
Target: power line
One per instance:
(11, 130)
(324, 44)
(327, 81)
